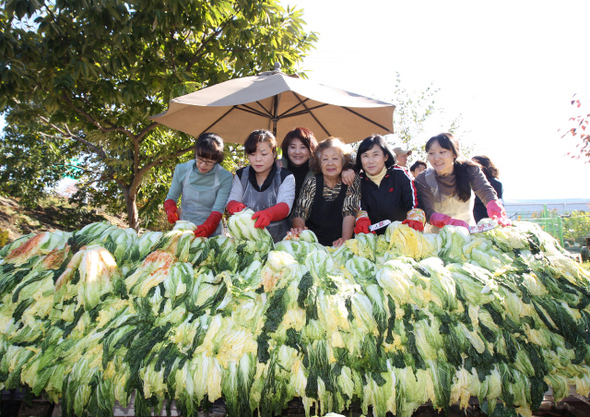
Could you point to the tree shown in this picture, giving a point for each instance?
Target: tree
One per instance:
(30, 163)
(580, 128)
(93, 71)
(417, 112)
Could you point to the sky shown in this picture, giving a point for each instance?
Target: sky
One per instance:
(508, 68)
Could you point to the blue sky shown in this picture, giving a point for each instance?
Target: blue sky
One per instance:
(509, 68)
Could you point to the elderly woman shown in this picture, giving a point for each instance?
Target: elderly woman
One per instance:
(446, 191)
(263, 186)
(298, 146)
(326, 205)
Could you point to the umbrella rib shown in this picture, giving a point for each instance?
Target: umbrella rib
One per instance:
(221, 117)
(252, 110)
(302, 102)
(366, 118)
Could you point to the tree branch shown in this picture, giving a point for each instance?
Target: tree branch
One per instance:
(205, 41)
(67, 133)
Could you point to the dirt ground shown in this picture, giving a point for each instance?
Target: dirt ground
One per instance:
(50, 216)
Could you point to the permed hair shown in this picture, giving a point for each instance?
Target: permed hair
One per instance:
(345, 150)
(304, 135)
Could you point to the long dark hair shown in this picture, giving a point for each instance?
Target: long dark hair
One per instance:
(367, 144)
(487, 166)
(460, 166)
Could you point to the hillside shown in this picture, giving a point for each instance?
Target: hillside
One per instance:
(50, 215)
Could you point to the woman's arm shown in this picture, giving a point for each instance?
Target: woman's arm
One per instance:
(347, 229)
(348, 176)
(425, 197)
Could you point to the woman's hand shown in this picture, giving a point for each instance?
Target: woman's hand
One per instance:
(348, 177)
(339, 242)
(297, 230)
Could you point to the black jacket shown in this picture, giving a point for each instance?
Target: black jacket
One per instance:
(395, 196)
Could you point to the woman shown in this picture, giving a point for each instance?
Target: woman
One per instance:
(298, 146)
(326, 205)
(387, 190)
(491, 173)
(445, 190)
(263, 186)
(417, 168)
(204, 186)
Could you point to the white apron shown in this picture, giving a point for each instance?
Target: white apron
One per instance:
(448, 204)
(197, 205)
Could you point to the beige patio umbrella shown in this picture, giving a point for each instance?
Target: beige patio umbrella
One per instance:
(277, 102)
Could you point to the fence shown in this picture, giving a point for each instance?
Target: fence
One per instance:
(563, 226)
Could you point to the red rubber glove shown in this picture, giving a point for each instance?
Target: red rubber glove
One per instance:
(271, 214)
(362, 226)
(416, 219)
(441, 220)
(208, 227)
(171, 211)
(234, 207)
(414, 224)
(496, 211)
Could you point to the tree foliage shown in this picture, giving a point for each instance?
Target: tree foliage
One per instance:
(418, 117)
(30, 163)
(580, 127)
(93, 71)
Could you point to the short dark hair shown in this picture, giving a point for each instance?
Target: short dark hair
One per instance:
(210, 146)
(306, 137)
(417, 164)
(257, 137)
(487, 166)
(367, 144)
(345, 150)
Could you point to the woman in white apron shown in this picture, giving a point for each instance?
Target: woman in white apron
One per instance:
(204, 186)
(263, 186)
(446, 190)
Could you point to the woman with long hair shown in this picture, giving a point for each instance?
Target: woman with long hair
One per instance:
(446, 191)
(492, 173)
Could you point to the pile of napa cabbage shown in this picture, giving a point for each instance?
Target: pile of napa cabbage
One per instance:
(389, 322)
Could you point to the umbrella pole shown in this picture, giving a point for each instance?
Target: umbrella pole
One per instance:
(275, 110)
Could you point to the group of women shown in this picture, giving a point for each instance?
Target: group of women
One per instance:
(322, 187)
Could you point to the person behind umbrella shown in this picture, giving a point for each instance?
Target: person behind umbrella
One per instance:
(263, 186)
(387, 190)
(204, 186)
(491, 173)
(298, 146)
(445, 191)
(326, 205)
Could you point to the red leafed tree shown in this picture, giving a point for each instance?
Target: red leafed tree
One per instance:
(580, 127)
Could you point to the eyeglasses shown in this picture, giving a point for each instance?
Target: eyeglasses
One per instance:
(204, 162)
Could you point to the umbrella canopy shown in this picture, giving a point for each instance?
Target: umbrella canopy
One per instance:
(277, 102)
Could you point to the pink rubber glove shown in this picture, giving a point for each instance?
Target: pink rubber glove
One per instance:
(441, 220)
(362, 226)
(496, 211)
(171, 211)
(208, 227)
(271, 214)
(234, 207)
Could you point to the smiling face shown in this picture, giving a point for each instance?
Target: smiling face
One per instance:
(298, 153)
(373, 160)
(262, 159)
(331, 162)
(441, 159)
